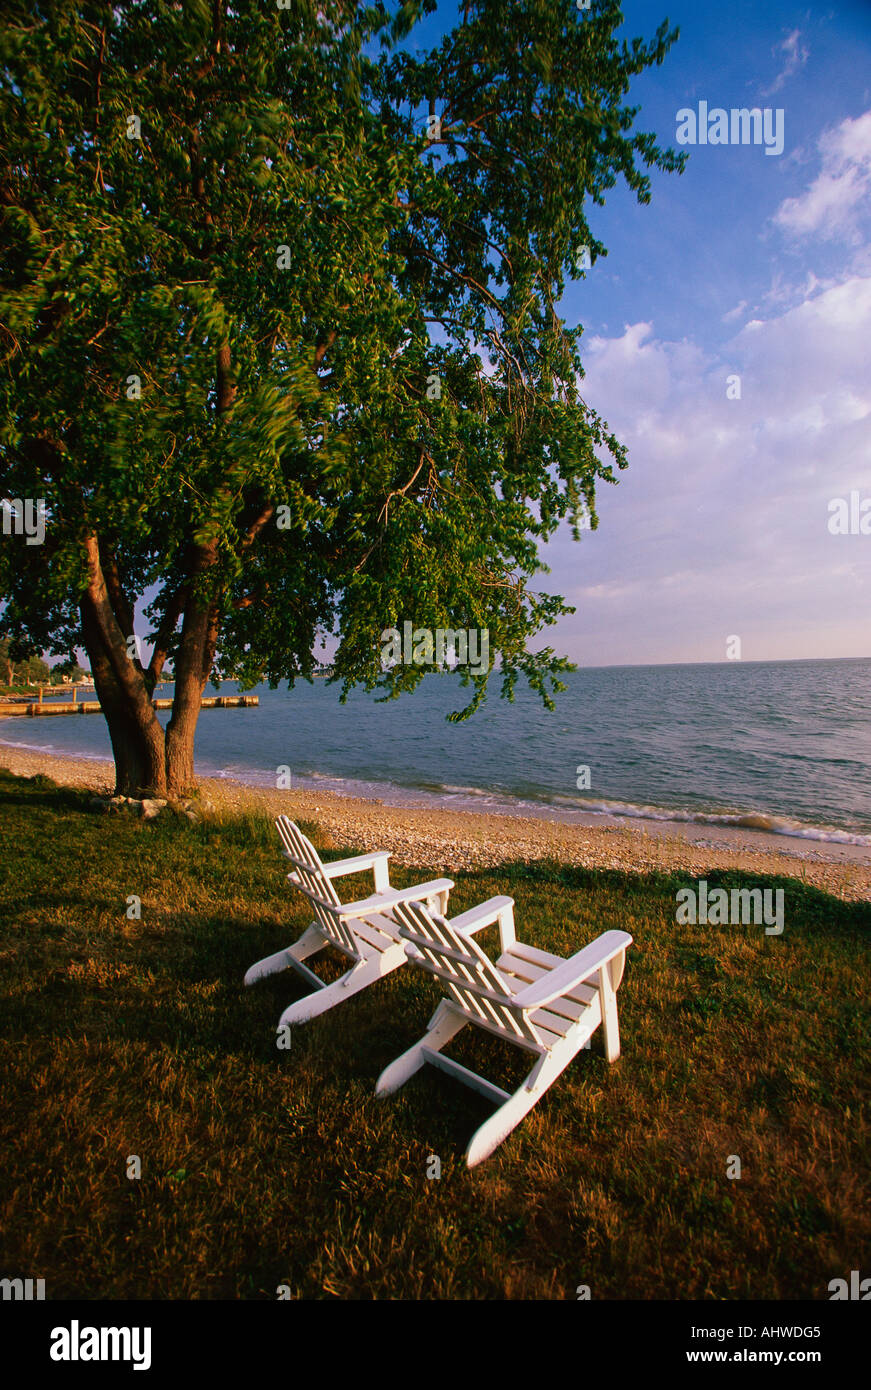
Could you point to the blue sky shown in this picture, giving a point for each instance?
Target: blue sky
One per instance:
(747, 264)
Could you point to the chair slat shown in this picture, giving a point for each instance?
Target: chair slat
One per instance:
(373, 936)
(522, 951)
(306, 860)
(473, 981)
(520, 974)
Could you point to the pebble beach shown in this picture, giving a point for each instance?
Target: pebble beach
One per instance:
(447, 840)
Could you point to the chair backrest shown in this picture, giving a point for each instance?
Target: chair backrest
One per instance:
(473, 981)
(309, 876)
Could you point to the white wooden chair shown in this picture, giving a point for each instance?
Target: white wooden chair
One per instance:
(541, 1002)
(363, 930)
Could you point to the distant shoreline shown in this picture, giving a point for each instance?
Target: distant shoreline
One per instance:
(448, 839)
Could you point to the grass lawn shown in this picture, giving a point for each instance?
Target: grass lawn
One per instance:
(261, 1168)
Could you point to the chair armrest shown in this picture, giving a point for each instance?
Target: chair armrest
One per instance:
(337, 867)
(499, 910)
(377, 861)
(379, 902)
(574, 971)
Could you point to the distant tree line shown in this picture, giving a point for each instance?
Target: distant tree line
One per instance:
(32, 670)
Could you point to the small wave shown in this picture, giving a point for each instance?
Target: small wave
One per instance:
(52, 751)
(463, 791)
(526, 803)
(746, 820)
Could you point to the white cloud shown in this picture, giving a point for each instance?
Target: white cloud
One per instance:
(719, 525)
(796, 56)
(832, 205)
(785, 292)
(735, 313)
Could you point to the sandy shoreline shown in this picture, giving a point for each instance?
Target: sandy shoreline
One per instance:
(447, 840)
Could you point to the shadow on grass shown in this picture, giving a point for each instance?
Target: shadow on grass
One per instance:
(263, 1167)
(810, 907)
(45, 794)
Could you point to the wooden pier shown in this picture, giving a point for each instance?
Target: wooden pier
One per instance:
(40, 707)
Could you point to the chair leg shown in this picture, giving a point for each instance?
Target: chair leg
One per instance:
(496, 1130)
(318, 1002)
(364, 973)
(311, 941)
(610, 1025)
(444, 1025)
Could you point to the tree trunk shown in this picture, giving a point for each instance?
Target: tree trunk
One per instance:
(147, 761)
(193, 663)
(135, 732)
(180, 754)
(139, 767)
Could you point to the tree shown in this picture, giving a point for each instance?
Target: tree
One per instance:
(32, 671)
(21, 667)
(67, 670)
(280, 345)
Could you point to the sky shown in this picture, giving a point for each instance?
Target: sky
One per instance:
(749, 265)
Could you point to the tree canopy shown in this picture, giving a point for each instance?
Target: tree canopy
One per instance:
(279, 332)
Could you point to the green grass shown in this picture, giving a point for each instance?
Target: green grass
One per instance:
(25, 689)
(262, 1167)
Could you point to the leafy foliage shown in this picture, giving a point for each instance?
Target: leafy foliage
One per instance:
(284, 260)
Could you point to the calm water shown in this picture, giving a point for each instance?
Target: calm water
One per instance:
(784, 746)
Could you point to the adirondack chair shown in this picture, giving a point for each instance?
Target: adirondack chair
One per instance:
(539, 1001)
(363, 930)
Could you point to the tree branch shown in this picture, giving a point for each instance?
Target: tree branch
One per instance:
(167, 627)
(129, 676)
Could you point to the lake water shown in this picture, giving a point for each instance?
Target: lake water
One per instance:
(780, 746)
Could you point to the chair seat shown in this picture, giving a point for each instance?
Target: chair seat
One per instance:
(377, 932)
(510, 999)
(521, 971)
(561, 1014)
